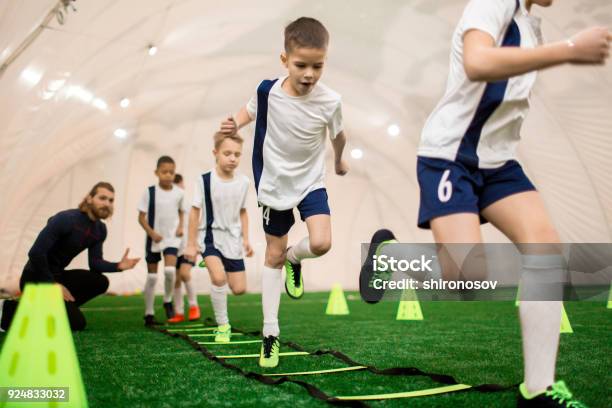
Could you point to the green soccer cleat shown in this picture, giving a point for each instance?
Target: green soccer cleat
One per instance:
(555, 396)
(223, 334)
(268, 356)
(294, 284)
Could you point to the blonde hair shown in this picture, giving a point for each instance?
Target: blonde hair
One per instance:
(220, 137)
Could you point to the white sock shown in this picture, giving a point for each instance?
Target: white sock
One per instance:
(270, 300)
(218, 298)
(169, 277)
(191, 294)
(149, 293)
(540, 325)
(300, 251)
(179, 306)
(541, 278)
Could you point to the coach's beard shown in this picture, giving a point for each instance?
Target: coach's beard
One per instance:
(100, 213)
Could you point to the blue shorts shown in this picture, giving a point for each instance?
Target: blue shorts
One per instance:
(182, 260)
(449, 187)
(155, 257)
(278, 223)
(230, 265)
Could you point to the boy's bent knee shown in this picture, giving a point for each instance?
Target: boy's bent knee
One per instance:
(218, 281)
(320, 247)
(275, 259)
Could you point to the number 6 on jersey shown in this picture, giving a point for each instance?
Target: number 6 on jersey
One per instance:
(445, 188)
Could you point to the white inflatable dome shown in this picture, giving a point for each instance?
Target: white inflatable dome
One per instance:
(60, 112)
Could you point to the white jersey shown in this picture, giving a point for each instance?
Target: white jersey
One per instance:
(221, 202)
(163, 215)
(479, 123)
(289, 146)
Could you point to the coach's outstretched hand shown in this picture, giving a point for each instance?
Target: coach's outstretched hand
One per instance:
(127, 263)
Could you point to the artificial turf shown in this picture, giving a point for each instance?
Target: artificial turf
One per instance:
(124, 364)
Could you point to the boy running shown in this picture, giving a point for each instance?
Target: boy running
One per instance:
(468, 174)
(293, 115)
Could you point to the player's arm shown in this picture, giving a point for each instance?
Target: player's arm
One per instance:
(192, 234)
(338, 143)
(97, 263)
(142, 220)
(231, 125)
(484, 61)
(244, 224)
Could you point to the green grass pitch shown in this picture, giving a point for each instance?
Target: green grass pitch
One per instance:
(124, 364)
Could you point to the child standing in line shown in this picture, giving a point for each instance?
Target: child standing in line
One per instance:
(183, 275)
(219, 214)
(160, 213)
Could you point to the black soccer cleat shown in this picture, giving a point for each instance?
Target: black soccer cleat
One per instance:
(555, 396)
(149, 320)
(169, 309)
(368, 274)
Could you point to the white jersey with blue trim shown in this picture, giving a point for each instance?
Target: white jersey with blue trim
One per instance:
(162, 215)
(221, 201)
(289, 145)
(479, 123)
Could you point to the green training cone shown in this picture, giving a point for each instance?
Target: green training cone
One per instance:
(409, 306)
(566, 327)
(39, 350)
(336, 305)
(610, 298)
(202, 264)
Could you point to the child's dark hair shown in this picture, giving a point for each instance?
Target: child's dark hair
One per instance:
(306, 32)
(177, 178)
(164, 159)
